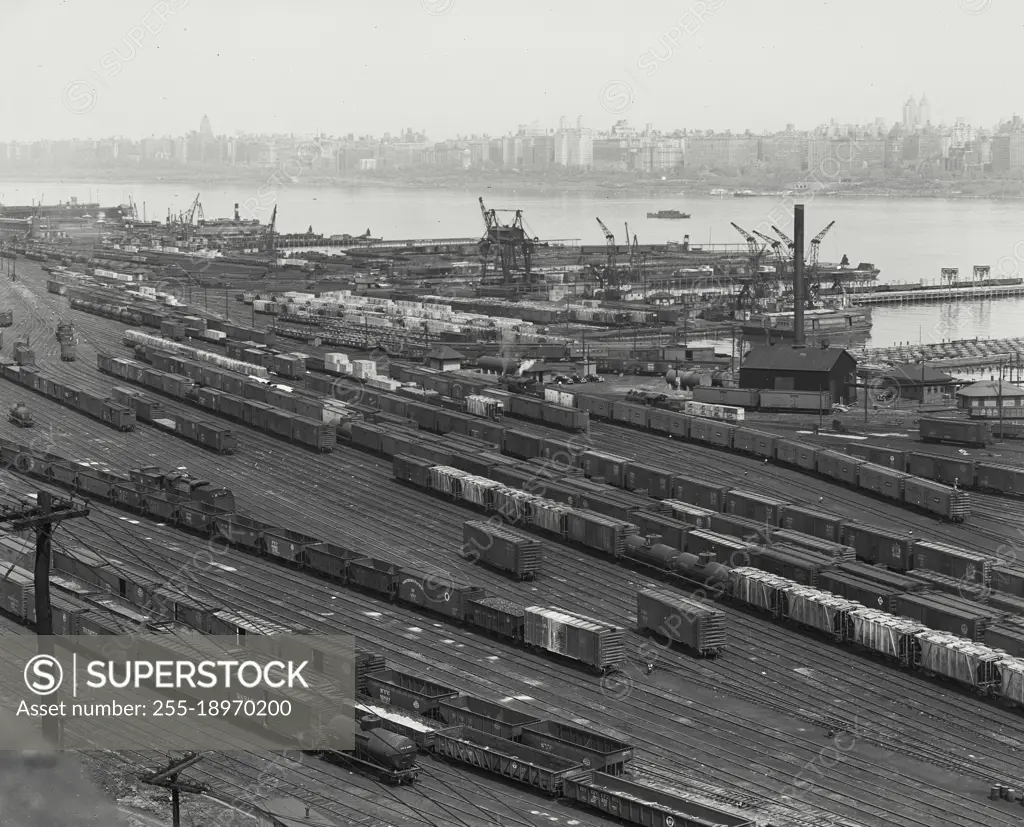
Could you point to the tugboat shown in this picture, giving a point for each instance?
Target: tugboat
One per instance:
(668, 214)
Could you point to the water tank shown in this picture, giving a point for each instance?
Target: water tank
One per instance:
(682, 379)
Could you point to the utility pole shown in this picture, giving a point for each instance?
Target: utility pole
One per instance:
(168, 779)
(1000, 398)
(44, 518)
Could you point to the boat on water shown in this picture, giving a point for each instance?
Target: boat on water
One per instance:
(826, 324)
(668, 214)
(744, 194)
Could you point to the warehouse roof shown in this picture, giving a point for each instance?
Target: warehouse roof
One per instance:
(445, 354)
(786, 357)
(921, 374)
(990, 388)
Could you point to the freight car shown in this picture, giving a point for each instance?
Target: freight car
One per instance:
(298, 429)
(204, 433)
(682, 620)
(106, 410)
(961, 431)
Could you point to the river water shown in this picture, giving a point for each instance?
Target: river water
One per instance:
(909, 239)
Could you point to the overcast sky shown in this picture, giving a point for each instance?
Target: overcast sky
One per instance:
(113, 67)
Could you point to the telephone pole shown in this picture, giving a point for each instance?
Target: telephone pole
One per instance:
(43, 518)
(168, 779)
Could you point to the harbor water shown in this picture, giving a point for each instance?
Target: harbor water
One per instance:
(910, 239)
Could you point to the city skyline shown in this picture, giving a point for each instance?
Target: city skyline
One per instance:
(142, 68)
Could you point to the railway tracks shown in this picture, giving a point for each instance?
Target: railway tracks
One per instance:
(415, 523)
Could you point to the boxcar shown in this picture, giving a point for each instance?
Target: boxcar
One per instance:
(711, 431)
(672, 532)
(754, 442)
(966, 432)
(841, 467)
(795, 564)
(1002, 478)
(946, 613)
(1008, 578)
(877, 545)
(502, 548)
(797, 453)
(866, 592)
(767, 510)
(611, 469)
(630, 414)
(810, 521)
(735, 397)
(954, 562)
(598, 407)
(657, 482)
(584, 639)
(689, 622)
(697, 492)
(949, 503)
(883, 481)
(943, 469)
(812, 401)
(879, 455)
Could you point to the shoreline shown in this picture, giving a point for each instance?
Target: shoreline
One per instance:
(608, 187)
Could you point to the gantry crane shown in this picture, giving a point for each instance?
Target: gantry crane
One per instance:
(754, 287)
(781, 259)
(812, 277)
(507, 244)
(609, 238)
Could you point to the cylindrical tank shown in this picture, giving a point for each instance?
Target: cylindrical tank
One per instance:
(654, 554)
(388, 749)
(682, 379)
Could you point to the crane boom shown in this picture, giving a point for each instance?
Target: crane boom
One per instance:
(608, 236)
(752, 245)
(789, 242)
(816, 244)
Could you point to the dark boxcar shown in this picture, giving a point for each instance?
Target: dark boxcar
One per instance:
(484, 716)
(216, 438)
(407, 691)
(1005, 479)
(743, 528)
(366, 435)
(1008, 578)
(730, 551)
(436, 590)
(118, 416)
(412, 469)
(689, 622)
(1007, 635)
(736, 397)
(499, 616)
(672, 532)
(893, 580)
(599, 407)
(954, 562)
(697, 492)
(592, 749)
(611, 469)
(889, 457)
(797, 453)
(754, 442)
(313, 433)
(944, 469)
(866, 592)
(523, 445)
(501, 548)
(810, 521)
(966, 432)
(629, 414)
(946, 613)
(839, 466)
(794, 564)
(878, 545)
(599, 532)
(657, 482)
(882, 481)
(767, 510)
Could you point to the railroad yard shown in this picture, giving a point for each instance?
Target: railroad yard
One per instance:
(784, 728)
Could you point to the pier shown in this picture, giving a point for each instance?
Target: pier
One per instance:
(972, 353)
(940, 294)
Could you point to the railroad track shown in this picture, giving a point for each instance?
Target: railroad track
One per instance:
(248, 436)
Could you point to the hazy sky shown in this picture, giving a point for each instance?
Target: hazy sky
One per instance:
(114, 67)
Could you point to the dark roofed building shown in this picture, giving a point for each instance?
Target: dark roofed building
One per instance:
(443, 358)
(788, 368)
(920, 382)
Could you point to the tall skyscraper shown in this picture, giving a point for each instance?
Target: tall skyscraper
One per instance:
(910, 114)
(204, 127)
(924, 112)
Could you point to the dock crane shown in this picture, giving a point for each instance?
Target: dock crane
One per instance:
(506, 243)
(781, 259)
(754, 287)
(609, 237)
(812, 278)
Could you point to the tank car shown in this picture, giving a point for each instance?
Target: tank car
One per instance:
(388, 755)
(21, 416)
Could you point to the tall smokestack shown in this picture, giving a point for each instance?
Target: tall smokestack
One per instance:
(799, 340)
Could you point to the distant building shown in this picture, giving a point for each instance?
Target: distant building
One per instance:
(788, 368)
(1007, 151)
(444, 358)
(982, 400)
(205, 129)
(920, 383)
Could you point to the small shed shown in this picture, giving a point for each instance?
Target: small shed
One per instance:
(981, 400)
(921, 383)
(538, 371)
(801, 368)
(444, 358)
